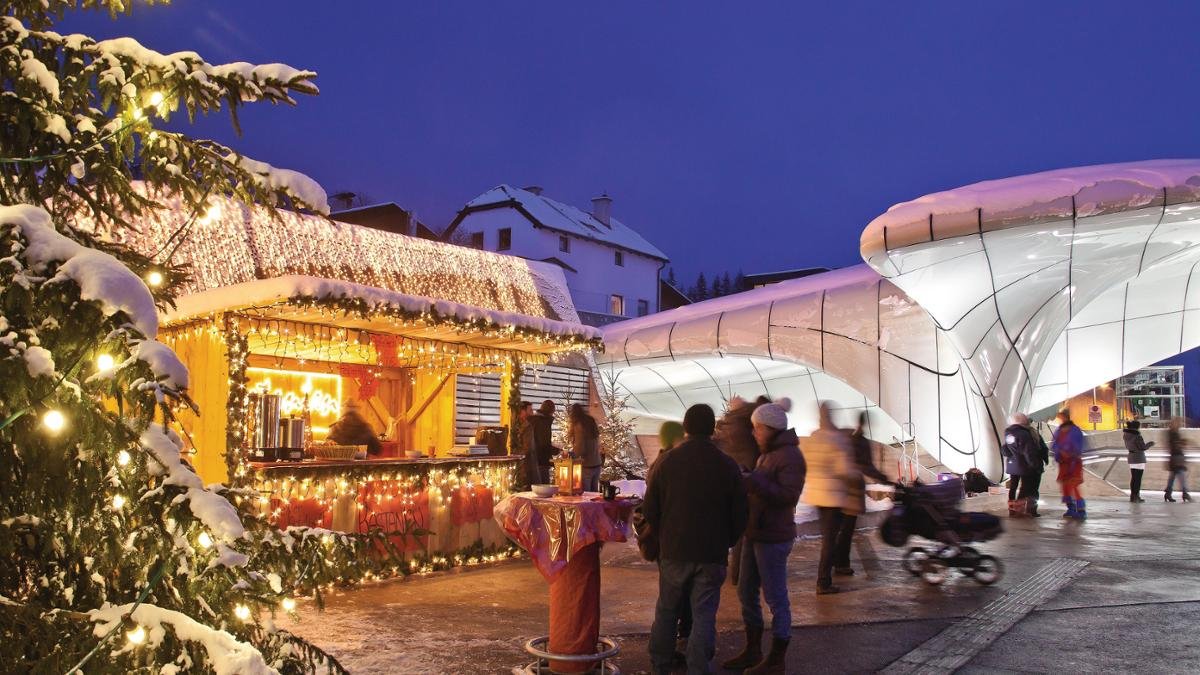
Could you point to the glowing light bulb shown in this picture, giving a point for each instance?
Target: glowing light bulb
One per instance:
(156, 98)
(154, 278)
(204, 540)
(118, 502)
(54, 421)
(123, 458)
(242, 612)
(105, 363)
(288, 604)
(136, 636)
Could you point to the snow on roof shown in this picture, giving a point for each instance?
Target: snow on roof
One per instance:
(238, 244)
(266, 292)
(758, 297)
(1062, 193)
(568, 219)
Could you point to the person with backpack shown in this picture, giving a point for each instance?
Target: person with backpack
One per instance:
(1068, 452)
(1021, 457)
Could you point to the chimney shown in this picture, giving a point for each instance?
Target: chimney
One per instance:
(601, 208)
(535, 189)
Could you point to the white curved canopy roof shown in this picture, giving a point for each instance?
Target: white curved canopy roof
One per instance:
(1003, 296)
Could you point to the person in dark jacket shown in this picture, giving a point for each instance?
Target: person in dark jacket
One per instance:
(1137, 447)
(543, 444)
(1177, 463)
(862, 456)
(774, 489)
(696, 503)
(585, 444)
(1021, 456)
(524, 444)
(353, 429)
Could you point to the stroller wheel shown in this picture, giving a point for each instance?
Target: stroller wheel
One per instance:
(988, 570)
(934, 571)
(914, 559)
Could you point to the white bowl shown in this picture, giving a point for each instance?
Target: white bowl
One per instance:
(545, 490)
(414, 454)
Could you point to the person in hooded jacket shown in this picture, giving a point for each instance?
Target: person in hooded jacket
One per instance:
(1021, 456)
(862, 457)
(774, 489)
(1137, 447)
(832, 477)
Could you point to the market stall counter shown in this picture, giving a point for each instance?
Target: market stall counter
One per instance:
(435, 510)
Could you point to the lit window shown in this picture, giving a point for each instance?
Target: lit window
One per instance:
(564, 244)
(643, 307)
(505, 242)
(616, 305)
(619, 258)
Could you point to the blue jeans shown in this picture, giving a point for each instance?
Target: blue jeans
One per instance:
(1182, 474)
(764, 567)
(674, 580)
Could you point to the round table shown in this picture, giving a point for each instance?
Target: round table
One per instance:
(563, 536)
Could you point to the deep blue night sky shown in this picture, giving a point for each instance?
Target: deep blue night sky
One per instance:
(759, 136)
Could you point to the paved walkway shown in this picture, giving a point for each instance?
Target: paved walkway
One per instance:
(1132, 607)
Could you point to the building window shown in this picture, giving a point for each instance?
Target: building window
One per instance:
(564, 244)
(477, 240)
(616, 305)
(505, 242)
(619, 258)
(643, 307)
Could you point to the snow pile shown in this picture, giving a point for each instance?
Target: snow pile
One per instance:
(39, 361)
(226, 655)
(163, 362)
(1101, 188)
(281, 289)
(294, 182)
(217, 514)
(101, 277)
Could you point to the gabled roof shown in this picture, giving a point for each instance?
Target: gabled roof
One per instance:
(554, 215)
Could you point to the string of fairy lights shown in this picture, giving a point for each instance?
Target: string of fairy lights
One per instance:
(235, 244)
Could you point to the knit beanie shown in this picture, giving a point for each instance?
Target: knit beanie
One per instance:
(773, 415)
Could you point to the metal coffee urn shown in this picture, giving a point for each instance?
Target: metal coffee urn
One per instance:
(291, 439)
(265, 412)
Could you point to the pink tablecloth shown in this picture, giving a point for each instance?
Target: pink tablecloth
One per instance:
(563, 535)
(553, 530)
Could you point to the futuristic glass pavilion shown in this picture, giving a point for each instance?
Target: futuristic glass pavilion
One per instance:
(974, 303)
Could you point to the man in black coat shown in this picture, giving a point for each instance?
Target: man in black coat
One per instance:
(543, 444)
(696, 503)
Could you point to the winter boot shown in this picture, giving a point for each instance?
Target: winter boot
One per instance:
(1031, 508)
(775, 662)
(1018, 508)
(751, 653)
(1070, 502)
(1081, 510)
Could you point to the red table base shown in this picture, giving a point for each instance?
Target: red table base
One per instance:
(575, 609)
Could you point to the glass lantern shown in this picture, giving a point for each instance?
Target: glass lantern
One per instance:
(568, 475)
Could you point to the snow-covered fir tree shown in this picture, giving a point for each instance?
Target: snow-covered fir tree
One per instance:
(116, 557)
(622, 460)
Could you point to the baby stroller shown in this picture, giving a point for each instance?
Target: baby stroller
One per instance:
(932, 511)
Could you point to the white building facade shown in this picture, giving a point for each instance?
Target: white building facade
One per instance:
(612, 272)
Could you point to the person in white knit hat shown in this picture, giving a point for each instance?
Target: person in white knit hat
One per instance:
(774, 488)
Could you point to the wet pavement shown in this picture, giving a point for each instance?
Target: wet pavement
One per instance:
(1133, 608)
